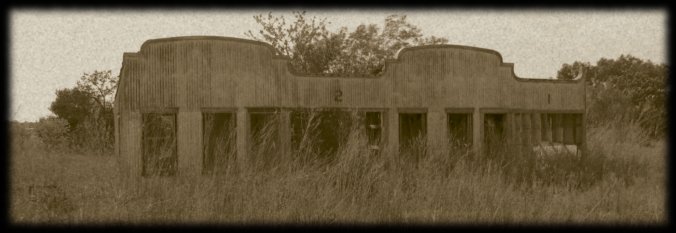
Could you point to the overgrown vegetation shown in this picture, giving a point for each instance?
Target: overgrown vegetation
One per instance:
(84, 115)
(623, 90)
(619, 182)
(313, 49)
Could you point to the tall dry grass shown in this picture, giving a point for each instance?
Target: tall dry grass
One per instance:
(620, 181)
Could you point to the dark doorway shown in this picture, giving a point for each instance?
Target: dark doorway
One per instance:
(546, 127)
(159, 144)
(264, 131)
(218, 142)
(320, 132)
(578, 126)
(301, 128)
(494, 134)
(460, 130)
(412, 132)
(374, 130)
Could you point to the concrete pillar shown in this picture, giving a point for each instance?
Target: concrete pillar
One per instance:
(242, 128)
(526, 132)
(516, 132)
(131, 160)
(477, 128)
(136, 134)
(583, 135)
(189, 143)
(511, 133)
(285, 132)
(519, 136)
(527, 128)
(392, 131)
(437, 128)
(537, 128)
(117, 132)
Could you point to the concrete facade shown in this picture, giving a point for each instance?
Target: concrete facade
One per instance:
(188, 76)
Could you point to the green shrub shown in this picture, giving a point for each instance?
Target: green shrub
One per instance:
(92, 135)
(53, 132)
(20, 136)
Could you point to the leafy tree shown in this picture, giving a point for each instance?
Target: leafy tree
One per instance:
(101, 86)
(366, 48)
(98, 130)
(314, 49)
(570, 71)
(72, 105)
(88, 109)
(52, 131)
(624, 89)
(306, 41)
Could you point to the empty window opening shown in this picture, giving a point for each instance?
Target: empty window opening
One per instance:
(412, 132)
(546, 124)
(544, 128)
(561, 133)
(300, 129)
(568, 125)
(494, 134)
(159, 144)
(460, 130)
(218, 142)
(572, 132)
(578, 129)
(373, 125)
(557, 128)
(320, 133)
(264, 131)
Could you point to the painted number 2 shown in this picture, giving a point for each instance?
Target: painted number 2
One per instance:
(338, 95)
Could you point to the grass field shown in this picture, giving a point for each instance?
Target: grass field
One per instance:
(621, 182)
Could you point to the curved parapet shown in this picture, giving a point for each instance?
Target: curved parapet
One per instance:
(146, 46)
(409, 50)
(208, 71)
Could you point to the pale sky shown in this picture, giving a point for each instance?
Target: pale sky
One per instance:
(51, 49)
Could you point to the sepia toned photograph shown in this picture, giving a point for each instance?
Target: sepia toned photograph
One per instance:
(311, 116)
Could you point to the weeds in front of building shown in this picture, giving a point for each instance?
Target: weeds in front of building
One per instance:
(618, 181)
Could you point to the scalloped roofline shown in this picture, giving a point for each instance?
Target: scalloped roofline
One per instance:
(484, 50)
(388, 62)
(217, 38)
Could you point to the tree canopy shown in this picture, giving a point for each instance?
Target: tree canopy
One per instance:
(72, 105)
(88, 110)
(91, 97)
(313, 49)
(100, 86)
(627, 87)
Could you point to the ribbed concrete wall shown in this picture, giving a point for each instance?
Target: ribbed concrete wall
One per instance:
(197, 72)
(192, 73)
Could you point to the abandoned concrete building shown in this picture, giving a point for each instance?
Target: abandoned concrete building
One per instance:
(178, 98)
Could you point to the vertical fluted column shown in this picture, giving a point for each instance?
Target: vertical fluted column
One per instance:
(242, 135)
